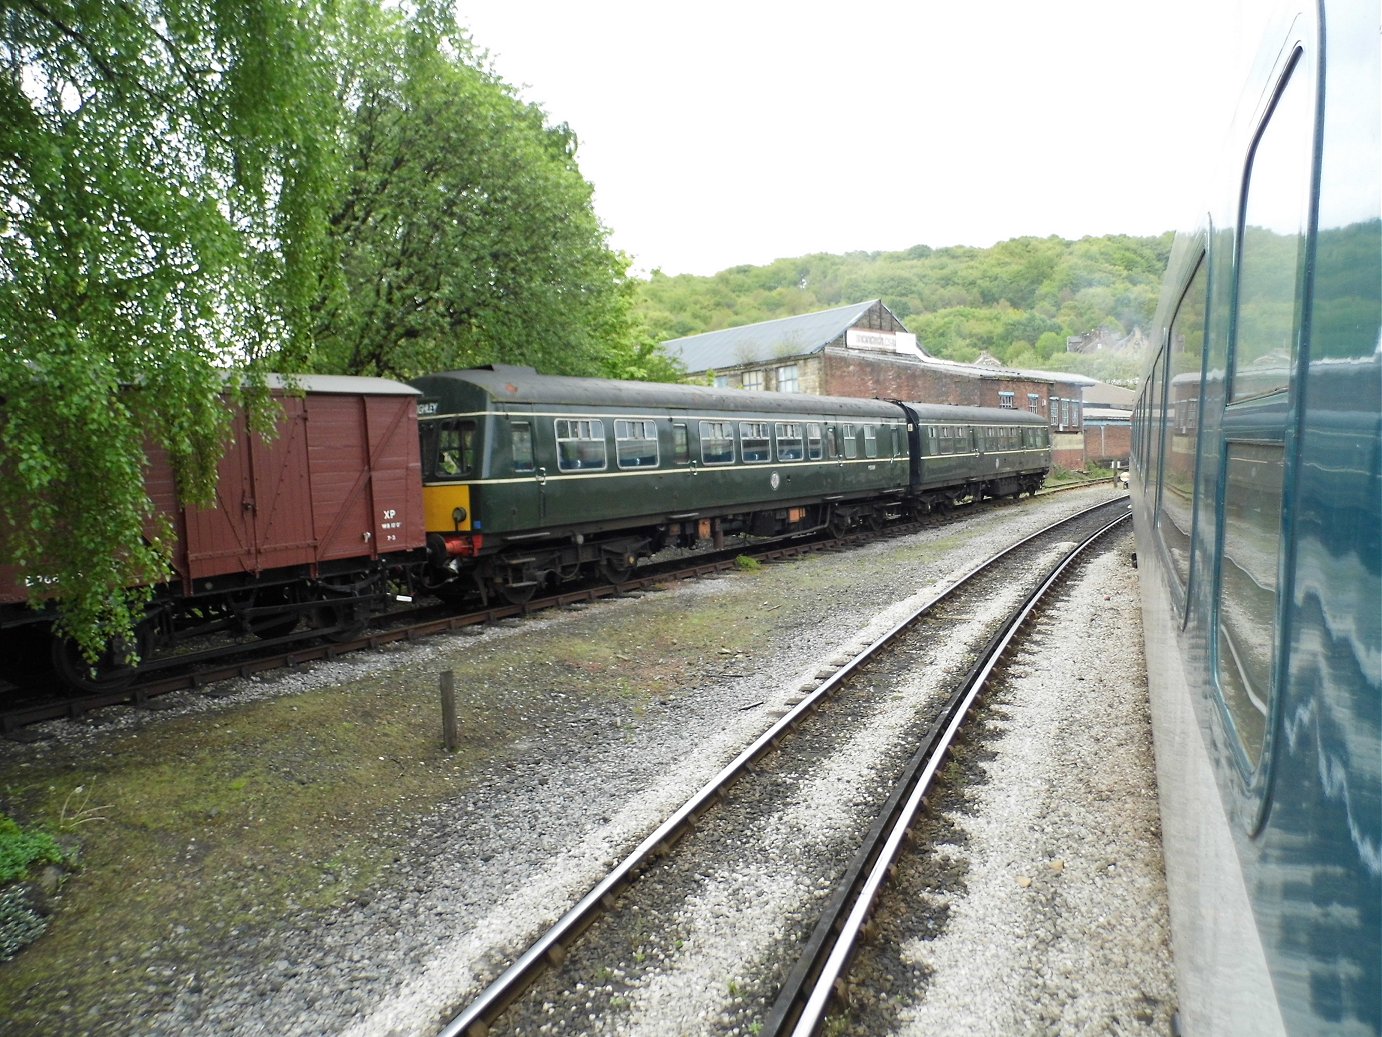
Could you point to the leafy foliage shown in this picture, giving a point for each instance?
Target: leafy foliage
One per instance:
(161, 180)
(1018, 301)
(465, 231)
(22, 847)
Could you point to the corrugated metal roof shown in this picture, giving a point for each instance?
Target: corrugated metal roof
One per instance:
(767, 340)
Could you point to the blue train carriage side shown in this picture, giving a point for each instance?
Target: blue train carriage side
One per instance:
(969, 453)
(531, 479)
(1257, 499)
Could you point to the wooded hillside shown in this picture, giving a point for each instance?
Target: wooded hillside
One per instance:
(1018, 300)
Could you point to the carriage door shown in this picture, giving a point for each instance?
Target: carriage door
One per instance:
(522, 470)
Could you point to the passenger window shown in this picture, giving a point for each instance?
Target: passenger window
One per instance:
(754, 441)
(1274, 218)
(717, 442)
(580, 444)
(813, 441)
(1248, 588)
(1178, 472)
(870, 441)
(681, 444)
(832, 446)
(635, 443)
(788, 441)
(850, 435)
(522, 437)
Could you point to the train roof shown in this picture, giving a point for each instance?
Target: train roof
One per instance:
(953, 414)
(510, 384)
(341, 385)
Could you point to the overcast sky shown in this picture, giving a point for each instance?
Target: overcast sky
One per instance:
(719, 133)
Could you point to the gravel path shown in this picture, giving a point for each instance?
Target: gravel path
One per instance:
(582, 755)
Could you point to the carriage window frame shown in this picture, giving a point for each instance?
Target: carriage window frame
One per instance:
(870, 440)
(521, 446)
(815, 441)
(1179, 557)
(681, 443)
(756, 441)
(849, 435)
(635, 443)
(451, 453)
(717, 442)
(1252, 533)
(581, 444)
(790, 440)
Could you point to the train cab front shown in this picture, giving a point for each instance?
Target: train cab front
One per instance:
(450, 460)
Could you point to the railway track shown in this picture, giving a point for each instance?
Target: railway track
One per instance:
(860, 728)
(29, 706)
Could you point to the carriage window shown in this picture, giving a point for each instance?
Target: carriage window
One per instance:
(850, 435)
(580, 444)
(1248, 589)
(1273, 242)
(717, 442)
(455, 449)
(788, 441)
(681, 444)
(522, 439)
(1178, 470)
(870, 441)
(813, 440)
(832, 446)
(1267, 312)
(754, 441)
(635, 443)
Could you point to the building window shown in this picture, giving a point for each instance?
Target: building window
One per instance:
(580, 444)
(753, 439)
(722, 381)
(753, 380)
(787, 378)
(1034, 403)
(635, 443)
(1005, 400)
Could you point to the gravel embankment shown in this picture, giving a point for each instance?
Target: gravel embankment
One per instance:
(399, 879)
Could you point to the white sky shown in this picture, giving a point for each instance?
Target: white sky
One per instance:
(719, 133)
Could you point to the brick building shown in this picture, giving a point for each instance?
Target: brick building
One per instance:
(1108, 424)
(863, 350)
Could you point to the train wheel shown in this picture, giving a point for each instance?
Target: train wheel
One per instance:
(519, 594)
(839, 525)
(616, 568)
(110, 672)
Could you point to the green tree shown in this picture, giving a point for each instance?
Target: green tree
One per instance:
(162, 172)
(465, 232)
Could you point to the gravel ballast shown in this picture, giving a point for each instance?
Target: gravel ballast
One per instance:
(406, 877)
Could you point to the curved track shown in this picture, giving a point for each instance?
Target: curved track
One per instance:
(805, 992)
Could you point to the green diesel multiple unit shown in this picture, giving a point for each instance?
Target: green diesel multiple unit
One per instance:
(529, 479)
